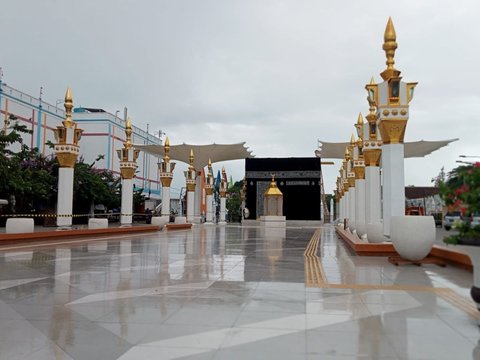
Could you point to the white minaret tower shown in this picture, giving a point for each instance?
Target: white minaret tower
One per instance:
(128, 165)
(66, 151)
(223, 197)
(190, 176)
(359, 169)
(346, 186)
(393, 98)
(351, 184)
(166, 175)
(209, 187)
(372, 151)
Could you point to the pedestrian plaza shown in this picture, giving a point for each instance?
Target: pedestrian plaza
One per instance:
(228, 292)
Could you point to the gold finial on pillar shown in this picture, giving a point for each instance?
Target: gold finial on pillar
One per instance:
(360, 119)
(359, 126)
(128, 134)
(389, 46)
(351, 146)
(167, 149)
(68, 123)
(191, 158)
(210, 171)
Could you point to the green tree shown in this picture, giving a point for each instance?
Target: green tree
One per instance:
(93, 186)
(31, 179)
(25, 175)
(234, 202)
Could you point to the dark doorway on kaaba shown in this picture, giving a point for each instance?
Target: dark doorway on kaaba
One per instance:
(297, 178)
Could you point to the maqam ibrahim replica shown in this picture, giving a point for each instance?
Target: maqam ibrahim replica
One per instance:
(66, 151)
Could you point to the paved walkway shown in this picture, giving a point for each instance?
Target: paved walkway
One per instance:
(229, 293)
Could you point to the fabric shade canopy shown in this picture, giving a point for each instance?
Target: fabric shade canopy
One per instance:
(201, 153)
(422, 148)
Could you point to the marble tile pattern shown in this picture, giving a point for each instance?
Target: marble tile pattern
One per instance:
(231, 293)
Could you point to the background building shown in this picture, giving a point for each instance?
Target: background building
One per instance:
(103, 134)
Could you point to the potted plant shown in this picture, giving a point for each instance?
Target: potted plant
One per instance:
(461, 192)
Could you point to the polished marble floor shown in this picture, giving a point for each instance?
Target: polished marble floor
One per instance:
(229, 293)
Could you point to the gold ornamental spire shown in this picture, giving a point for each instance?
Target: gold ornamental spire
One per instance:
(68, 123)
(210, 171)
(167, 149)
(359, 126)
(389, 46)
(372, 81)
(190, 159)
(128, 134)
(359, 119)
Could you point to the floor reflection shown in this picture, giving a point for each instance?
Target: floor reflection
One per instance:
(226, 292)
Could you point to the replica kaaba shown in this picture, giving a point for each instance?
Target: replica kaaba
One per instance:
(297, 178)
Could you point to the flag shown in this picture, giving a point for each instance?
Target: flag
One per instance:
(218, 180)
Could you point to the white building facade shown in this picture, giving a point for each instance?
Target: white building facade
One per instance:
(103, 134)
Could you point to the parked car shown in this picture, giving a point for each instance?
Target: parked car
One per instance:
(450, 218)
(475, 220)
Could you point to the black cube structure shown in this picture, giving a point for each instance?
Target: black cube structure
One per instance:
(297, 178)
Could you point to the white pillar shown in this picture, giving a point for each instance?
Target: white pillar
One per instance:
(373, 205)
(351, 221)
(360, 206)
(209, 215)
(332, 210)
(65, 196)
(322, 211)
(346, 207)
(190, 205)
(223, 207)
(339, 207)
(165, 201)
(393, 183)
(198, 198)
(127, 202)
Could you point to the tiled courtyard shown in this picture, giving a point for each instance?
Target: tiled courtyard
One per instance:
(229, 293)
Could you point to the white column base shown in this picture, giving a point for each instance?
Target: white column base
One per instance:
(393, 183)
(190, 206)
(209, 203)
(223, 207)
(166, 201)
(65, 197)
(127, 202)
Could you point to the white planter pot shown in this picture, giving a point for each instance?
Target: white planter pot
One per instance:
(375, 233)
(160, 221)
(412, 236)
(361, 228)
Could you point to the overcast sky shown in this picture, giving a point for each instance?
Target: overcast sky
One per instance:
(276, 74)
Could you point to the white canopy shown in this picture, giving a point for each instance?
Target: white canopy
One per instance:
(422, 148)
(201, 153)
